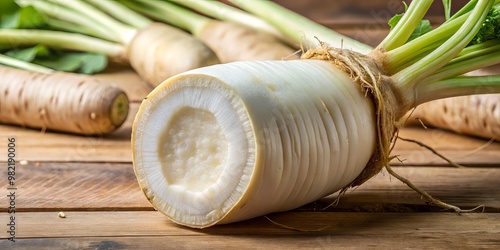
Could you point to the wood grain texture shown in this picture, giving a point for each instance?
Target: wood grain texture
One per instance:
(53, 186)
(390, 240)
(152, 229)
(464, 187)
(77, 186)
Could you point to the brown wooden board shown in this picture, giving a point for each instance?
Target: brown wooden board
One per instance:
(77, 186)
(117, 230)
(53, 186)
(390, 240)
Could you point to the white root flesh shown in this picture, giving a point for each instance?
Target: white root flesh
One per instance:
(212, 147)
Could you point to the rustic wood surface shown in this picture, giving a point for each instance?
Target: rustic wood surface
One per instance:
(91, 180)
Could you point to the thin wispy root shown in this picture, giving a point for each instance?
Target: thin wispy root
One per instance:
(294, 228)
(421, 144)
(429, 198)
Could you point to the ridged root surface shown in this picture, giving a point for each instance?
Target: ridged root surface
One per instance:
(211, 147)
(160, 51)
(60, 101)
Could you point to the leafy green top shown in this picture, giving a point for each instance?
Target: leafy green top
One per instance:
(12, 16)
(489, 31)
(491, 27)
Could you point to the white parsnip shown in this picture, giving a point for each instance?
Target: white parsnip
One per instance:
(264, 138)
(159, 51)
(477, 115)
(231, 142)
(60, 101)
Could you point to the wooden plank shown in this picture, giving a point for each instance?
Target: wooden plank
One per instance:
(77, 186)
(462, 149)
(53, 186)
(464, 187)
(420, 240)
(152, 223)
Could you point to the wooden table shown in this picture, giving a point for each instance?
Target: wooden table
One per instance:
(91, 180)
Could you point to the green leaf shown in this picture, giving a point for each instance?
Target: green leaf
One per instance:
(394, 20)
(14, 17)
(423, 27)
(29, 54)
(94, 63)
(86, 63)
(80, 62)
(8, 6)
(491, 27)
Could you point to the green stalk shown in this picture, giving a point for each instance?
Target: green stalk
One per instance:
(170, 13)
(447, 8)
(477, 58)
(225, 12)
(298, 28)
(458, 86)
(73, 28)
(411, 75)
(478, 49)
(67, 19)
(122, 13)
(407, 54)
(60, 40)
(467, 8)
(123, 32)
(9, 61)
(403, 30)
(81, 13)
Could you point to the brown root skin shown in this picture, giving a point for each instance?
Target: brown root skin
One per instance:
(233, 42)
(389, 104)
(59, 101)
(477, 115)
(159, 51)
